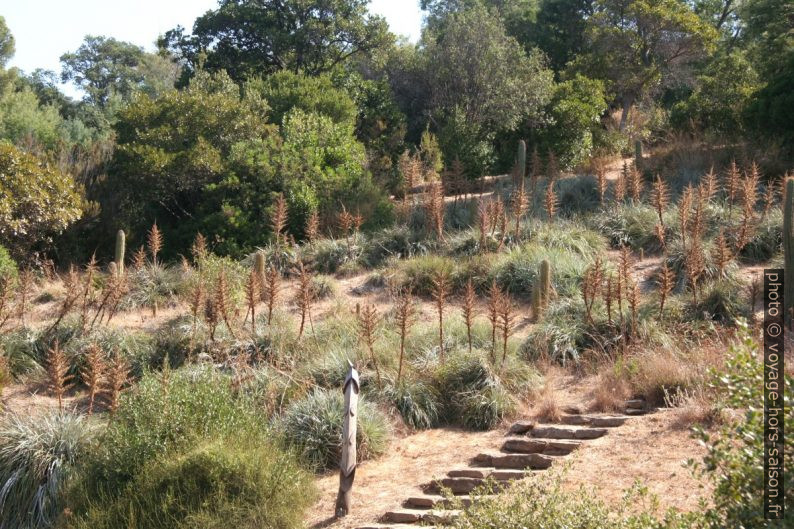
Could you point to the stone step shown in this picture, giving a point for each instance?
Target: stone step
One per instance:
(635, 411)
(412, 516)
(635, 403)
(386, 526)
(567, 432)
(485, 473)
(549, 447)
(436, 501)
(514, 461)
(521, 427)
(461, 486)
(597, 421)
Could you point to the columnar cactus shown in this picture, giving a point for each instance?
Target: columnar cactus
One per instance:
(121, 245)
(788, 248)
(259, 266)
(521, 162)
(541, 292)
(638, 154)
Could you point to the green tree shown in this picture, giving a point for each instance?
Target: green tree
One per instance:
(636, 45)
(250, 37)
(106, 68)
(7, 46)
(480, 76)
(722, 92)
(36, 202)
(173, 162)
(771, 110)
(574, 113)
(286, 90)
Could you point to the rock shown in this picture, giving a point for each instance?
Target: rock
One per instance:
(509, 475)
(576, 420)
(521, 427)
(524, 445)
(608, 421)
(482, 460)
(634, 411)
(568, 432)
(575, 409)
(561, 447)
(403, 516)
(635, 403)
(522, 461)
(468, 473)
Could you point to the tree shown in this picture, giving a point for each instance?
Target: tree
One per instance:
(722, 92)
(575, 112)
(7, 47)
(36, 202)
(173, 162)
(636, 45)
(480, 76)
(286, 90)
(248, 38)
(105, 67)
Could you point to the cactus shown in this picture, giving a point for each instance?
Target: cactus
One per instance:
(788, 249)
(521, 163)
(542, 290)
(259, 266)
(121, 245)
(638, 154)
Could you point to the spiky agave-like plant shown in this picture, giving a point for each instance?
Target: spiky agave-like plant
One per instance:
(94, 372)
(59, 381)
(368, 320)
(469, 297)
(404, 314)
(441, 287)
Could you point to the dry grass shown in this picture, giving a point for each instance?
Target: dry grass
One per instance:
(609, 392)
(547, 406)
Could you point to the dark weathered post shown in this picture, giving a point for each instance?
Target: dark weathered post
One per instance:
(347, 463)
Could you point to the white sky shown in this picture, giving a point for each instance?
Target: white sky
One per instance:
(45, 29)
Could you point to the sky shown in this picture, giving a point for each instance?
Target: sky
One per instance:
(45, 29)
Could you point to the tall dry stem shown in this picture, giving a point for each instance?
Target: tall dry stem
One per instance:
(94, 372)
(58, 377)
(367, 325)
(404, 314)
(441, 287)
(469, 297)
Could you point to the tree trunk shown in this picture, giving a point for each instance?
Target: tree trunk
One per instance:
(628, 101)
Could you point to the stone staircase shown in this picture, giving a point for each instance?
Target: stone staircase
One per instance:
(527, 449)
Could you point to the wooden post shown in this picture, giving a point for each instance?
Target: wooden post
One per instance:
(347, 463)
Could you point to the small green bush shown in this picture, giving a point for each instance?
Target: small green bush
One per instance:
(472, 393)
(417, 402)
(8, 268)
(313, 426)
(630, 225)
(723, 301)
(326, 256)
(518, 272)
(169, 411)
(418, 273)
(38, 455)
(240, 482)
(323, 287)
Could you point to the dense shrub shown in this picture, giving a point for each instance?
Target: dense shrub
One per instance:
(170, 411)
(518, 272)
(543, 502)
(723, 300)
(8, 268)
(237, 482)
(472, 393)
(630, 225)
(417, 402)
(313, 426)
(736, 450)
(766, 240)
(38, 454)
(27, 184)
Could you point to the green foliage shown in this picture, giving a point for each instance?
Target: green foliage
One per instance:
(28, 183)
(106, 68)
(417, 402)
(723, 301)
(8, 268)
(766, 240)
(481, 83)
(723, 91)
(163, 414)
(38, 456)
(248, 38)
(575, 112)
(313, 426)
(631, 225)
(543, 502)
(243, 482)
(286, 90)
(521, 267)
(735, 452)
(199, 159)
